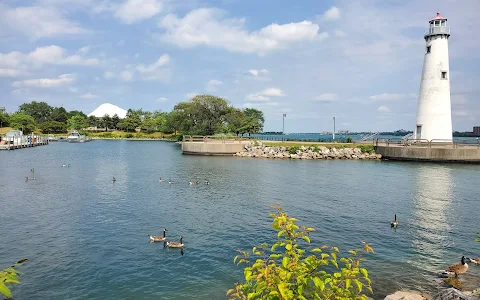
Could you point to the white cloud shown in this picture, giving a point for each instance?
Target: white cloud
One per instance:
(332, 14)
(462, 113)
(84, 50)
(339, 33)
(39, 22)
(191, 95)
(212, 85)
(210, 27)
(162, 99)
(261, 75)
(9, 73)
(260, 105)
(126, 75)
(391, 97)
(56, 55)
(256, 97)
(64, 79)
(88, 96)
(272, 92)
(326, 97)
(383, 108)
(264, 96)
(163, 60)
(108, 75)
(133, 11)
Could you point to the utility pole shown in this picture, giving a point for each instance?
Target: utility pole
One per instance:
(334, 128)
(283, 126)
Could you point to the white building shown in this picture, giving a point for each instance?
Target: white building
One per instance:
(434, 112)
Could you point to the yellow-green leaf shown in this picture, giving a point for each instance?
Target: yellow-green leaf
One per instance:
(306, 238)
(282, 287)
(359, 285)
(347, 283)
(5, 290)
(251, 295)
(288, 247)
(285, 261)
(319, 283)
(364, 272)
(317, 250)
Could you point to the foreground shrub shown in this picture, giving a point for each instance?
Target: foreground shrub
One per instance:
(293, 149)
(9, 276)
(288, 271)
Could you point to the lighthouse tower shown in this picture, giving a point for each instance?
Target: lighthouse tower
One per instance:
(434, 112)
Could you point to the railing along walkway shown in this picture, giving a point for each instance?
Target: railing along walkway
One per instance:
(213, 139)
(434, 143)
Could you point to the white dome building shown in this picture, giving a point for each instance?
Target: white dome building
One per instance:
(110, 110)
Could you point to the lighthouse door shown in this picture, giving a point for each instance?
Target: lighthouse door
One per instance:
(419, 132)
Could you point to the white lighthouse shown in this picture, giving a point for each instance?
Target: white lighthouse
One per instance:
(434, 112)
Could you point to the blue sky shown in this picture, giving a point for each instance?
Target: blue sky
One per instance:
(357, 60)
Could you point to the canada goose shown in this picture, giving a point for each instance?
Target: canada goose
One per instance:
(176, 244)
(475, 260)
(161, 179)
(395, 222)
(32, 170)
(157, 238)
(206, 182)
(170, 181)
(114, 179)
(193, 182)
(457, 268)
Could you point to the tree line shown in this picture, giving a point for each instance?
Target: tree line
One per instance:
(202, 115)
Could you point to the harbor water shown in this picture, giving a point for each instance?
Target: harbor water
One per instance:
(86, 237)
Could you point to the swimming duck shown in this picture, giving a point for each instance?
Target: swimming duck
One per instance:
(30, 178)
(395, 222)
(176, 244)
(193, 182)
(457, 269)
(157, 238)
(206, 182)
(114, 179)
(161, 179)
(170, 181)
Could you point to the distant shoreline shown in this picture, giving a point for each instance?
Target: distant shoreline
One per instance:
(133, 139)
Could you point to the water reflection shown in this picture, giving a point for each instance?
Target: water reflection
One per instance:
(430, 225)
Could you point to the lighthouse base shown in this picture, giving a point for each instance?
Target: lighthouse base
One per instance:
(446, 153)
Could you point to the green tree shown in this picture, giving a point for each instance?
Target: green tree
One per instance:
(77, 122)
(23, 122)
(94, 121)
(4, 120)
(76, 112)
(254, 120)
(107, 122)
(59, 114)
(40, 111)
(10, 276)
(236, 121)
(53, 127)
(203, 115)
(131, 121)
(115, 121)
(286, 270)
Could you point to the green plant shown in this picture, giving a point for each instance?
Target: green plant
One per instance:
(316, 149)
(366, 148)
(478, 239)
(348, 139)
(128, 136)
(9, 276)
(293, 149)
(287, 271)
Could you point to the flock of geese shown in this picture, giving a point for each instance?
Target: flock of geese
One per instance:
(158, 238)
(453, 270)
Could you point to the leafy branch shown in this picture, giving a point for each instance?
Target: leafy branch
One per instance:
(10, 276)
(285, 270)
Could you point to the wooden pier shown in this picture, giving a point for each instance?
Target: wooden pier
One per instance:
(26, 141)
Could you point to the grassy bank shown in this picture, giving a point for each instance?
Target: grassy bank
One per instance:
(365, 148)
(130, 135)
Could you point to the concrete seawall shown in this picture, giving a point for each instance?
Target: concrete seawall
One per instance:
(212, 148)
(433, 154)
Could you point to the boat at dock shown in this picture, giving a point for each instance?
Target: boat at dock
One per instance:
(76, 137)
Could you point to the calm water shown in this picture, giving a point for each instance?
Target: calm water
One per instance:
(86, 237)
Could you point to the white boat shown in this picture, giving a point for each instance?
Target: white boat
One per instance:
(76, 137)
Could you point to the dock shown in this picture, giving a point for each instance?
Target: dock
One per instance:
(27, 141)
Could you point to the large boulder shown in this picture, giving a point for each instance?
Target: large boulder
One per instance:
(408, 295)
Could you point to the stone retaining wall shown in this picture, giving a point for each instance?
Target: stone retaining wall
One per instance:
(303, 152)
